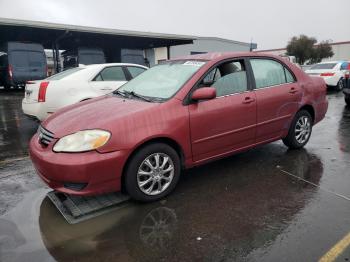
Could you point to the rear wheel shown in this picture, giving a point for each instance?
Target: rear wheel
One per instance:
(347, 100)
(152, 173)
(300, 130)
(340, 85)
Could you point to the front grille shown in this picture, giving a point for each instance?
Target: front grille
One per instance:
(45, 136)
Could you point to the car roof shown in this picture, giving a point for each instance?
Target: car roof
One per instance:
(331, 62)
(217, 56)
(112, 64)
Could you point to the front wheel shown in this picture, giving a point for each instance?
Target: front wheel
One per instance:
(152, 173)
(300, 130)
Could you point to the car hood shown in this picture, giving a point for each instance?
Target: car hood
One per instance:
(99, 113)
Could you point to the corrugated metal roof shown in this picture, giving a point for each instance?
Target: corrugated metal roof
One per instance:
(110, 31)
(225, 40)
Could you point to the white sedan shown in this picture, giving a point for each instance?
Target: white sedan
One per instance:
(332, 73)
(44, 97)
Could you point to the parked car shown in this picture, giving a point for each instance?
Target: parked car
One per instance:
(82, 56)
(331, 72)
(346, 89)
(45, 97)
(21, 62)
(182, 113)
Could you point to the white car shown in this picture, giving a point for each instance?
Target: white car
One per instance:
(332, 73)
(44, 97)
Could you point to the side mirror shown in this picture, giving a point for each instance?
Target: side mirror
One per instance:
(204, 93)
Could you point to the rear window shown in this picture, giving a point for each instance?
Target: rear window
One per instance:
(36, 59)
(64, 74)
(24, 58)
(19, 59)
(324, 66)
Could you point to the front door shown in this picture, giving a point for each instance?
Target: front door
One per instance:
(226, 123)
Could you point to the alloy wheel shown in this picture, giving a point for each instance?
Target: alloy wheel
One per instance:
(155, 174)
(302, 129)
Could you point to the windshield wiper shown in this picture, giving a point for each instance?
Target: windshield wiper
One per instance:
(117, 92)
(132, 93)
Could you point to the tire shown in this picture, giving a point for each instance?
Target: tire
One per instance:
(340, 85)
(347, 100)
(138, 172)
(294, 139)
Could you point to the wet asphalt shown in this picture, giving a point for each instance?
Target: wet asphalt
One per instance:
(266, 204)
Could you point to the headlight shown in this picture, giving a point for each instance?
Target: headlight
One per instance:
(82, 141)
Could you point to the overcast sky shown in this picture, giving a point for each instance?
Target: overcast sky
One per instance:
(270, 23)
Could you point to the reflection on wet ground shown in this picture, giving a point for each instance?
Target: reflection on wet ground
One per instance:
(242, 208)
(15, 128)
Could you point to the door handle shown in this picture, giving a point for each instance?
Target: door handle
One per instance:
(293, 90)
(106, 88)
(248, 100)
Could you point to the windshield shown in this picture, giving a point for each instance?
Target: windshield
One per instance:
(64, 74)
(324, 66)
(163, 81)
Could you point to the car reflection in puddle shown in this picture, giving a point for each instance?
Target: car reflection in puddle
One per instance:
(223, 210)
(344, 130)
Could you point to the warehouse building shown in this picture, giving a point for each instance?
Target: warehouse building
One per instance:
(118, 45)
(202, 45)
(341, 51)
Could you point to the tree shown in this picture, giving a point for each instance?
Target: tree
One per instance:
(322, 50)
(301, 47)
(304, 49)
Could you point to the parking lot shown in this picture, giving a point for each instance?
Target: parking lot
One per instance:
(266, 204)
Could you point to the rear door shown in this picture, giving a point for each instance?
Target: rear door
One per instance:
(109, 79)
(18, 60)
(278, 95)
(37, 65)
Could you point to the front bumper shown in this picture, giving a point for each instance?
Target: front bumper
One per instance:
(100, 172)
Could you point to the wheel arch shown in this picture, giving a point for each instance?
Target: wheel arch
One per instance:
(165, 140)
(309, 108)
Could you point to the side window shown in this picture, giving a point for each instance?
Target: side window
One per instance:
(270, 73)
(228, 78)
(114, 73)
(289, 77)
(135, 71)
(98, 78)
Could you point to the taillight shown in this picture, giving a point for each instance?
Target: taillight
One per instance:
(347, 75)
(327, 74)
(42, 91)
(10, 71)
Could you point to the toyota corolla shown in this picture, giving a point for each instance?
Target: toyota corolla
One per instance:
(180, 114)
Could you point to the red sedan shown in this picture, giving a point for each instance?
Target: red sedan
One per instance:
(176, 115)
